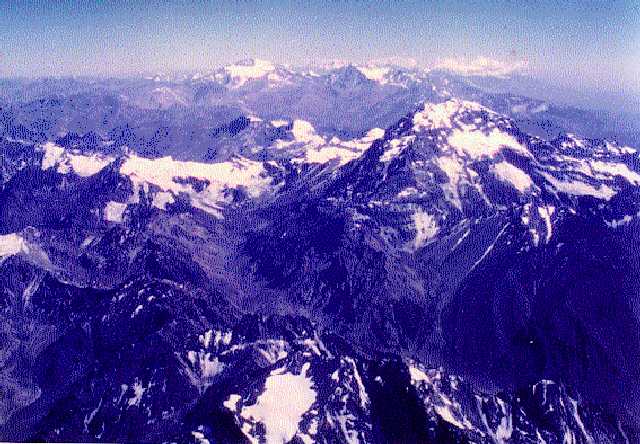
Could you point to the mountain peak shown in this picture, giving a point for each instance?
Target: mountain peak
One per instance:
(348, 77)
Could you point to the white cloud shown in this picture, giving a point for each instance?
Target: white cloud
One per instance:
(382, 62)
(481, 66)
(404, 62)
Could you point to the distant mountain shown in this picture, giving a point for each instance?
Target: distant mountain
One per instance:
(162, 112)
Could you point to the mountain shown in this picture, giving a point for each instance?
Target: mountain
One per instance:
(459, 222)
(354, 254)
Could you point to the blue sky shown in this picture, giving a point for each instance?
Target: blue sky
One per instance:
(573, 42)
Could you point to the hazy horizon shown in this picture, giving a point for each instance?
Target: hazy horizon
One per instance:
(586, 46)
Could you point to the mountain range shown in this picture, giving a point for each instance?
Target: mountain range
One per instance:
(324, 254)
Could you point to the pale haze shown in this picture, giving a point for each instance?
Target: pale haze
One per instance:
(590, 43)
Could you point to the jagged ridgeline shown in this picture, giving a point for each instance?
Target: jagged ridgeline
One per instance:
(363, 254)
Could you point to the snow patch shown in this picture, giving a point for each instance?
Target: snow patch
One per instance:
(279, 123)
(243, 72)
(328, 154)
(426, 228)
(83, 165)
(436, 400)
(418, 375)
(199, 437)
(407, 192)
(395, 147)
(616, 169)
(303, 131)
(615, 223)
(232, 402)
(315, 148)
(170, 176)
(478, 144)
(578, 188)
(138, 392)
(52, 154)
(202, 369)
(280, 407)
(452, 167)
(513, 175)
(12, 244)
(161, 199)
(86, 166)
(444, 411)
(114, 211)
(546, 213)
(505, 428)
(376, 73)
(137, 311)
(440, 115)
(373, 134)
